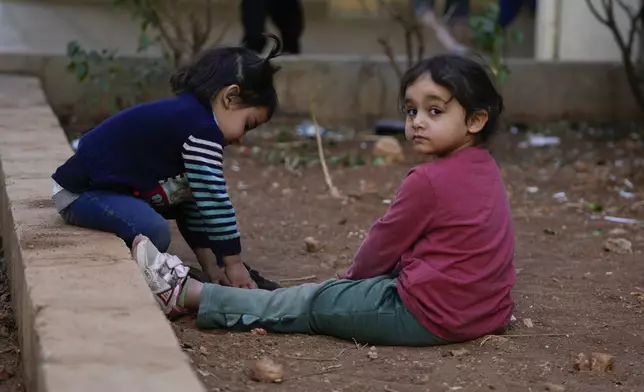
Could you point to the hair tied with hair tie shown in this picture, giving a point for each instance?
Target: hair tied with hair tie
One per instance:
(276, 50)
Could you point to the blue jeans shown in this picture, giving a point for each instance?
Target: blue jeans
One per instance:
(126, 216)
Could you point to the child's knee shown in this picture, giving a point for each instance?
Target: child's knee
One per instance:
(159, 234)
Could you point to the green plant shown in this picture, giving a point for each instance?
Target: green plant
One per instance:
(98, 68)
(178, 30)
(103, 69)
(490, 39)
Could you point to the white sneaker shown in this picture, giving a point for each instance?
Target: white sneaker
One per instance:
(165, 275)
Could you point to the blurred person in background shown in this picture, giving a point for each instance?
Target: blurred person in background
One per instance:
(287, 15)
(510, 9)
(452, 29)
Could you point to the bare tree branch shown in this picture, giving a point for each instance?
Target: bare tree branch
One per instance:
(625, 44)
(596, 13)
(391, 56)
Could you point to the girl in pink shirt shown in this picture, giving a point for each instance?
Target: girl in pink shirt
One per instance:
(436, 268)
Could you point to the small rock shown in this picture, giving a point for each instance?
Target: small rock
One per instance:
(581, 362)
(554, 387)
(204, 351)
(312, 245)
(580, 166)
(372, 354)
(389, 149)
(266, 370)
(617, 232)
(528, 322)
(620, 246)
(639, 295)
(461, 352)
(602, 362)
(258, 331)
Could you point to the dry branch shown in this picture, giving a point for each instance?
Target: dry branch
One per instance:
(606, 16)
(335, 193)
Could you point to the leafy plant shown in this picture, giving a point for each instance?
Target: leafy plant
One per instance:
(179, 30)
(103, 68)
(490, 39)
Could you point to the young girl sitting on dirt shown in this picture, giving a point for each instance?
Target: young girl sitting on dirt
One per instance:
(436, 268)
(163, 160)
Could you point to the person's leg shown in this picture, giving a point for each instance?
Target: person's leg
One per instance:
(369, 311)
(423, 5)
(253, 15)
(457, 10)
(457, 13)
(123, 215)
(508, 11)
(288, 16)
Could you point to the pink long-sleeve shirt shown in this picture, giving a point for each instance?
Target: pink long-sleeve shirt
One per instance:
(449, 232)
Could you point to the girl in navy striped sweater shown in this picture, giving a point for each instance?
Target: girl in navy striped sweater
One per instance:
(164, 160)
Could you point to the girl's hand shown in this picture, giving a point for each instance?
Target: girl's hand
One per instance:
(217, 275)
(238, 276)
(208, 263)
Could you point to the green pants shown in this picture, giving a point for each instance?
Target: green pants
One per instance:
(369, 311)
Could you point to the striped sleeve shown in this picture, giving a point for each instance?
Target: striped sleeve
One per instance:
(212, 213)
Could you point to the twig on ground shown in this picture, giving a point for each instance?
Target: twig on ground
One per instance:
(387, 389)
(311, 358)
(335, 193)
(325, 370)
(358, 345)
(528, 292)
(301, 279)
(291, 164)
(488, 337)
(534, 335)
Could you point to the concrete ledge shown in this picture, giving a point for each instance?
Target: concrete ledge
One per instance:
(359, 90)
(87, 321)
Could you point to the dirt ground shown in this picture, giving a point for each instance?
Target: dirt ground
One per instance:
(579, 296)
(10, 373)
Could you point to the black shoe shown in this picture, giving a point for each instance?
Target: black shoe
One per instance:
(262, 283)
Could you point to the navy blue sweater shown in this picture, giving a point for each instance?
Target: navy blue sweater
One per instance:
(168, 152)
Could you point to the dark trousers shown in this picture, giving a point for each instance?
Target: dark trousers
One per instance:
(509, 10)
(287, 15)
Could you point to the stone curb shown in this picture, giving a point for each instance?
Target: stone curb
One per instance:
(86, 319)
